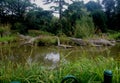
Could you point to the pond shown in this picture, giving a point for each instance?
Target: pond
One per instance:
(50, 56)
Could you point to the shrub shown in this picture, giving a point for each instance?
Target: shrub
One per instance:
(84, 27)
(19, 27)
(47, 41)
(5, 30)
(8, 39)
(115, 35)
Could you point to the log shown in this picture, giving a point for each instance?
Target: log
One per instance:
(93, 42)
(62, 45)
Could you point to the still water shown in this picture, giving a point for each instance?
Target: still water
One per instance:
(50, 56)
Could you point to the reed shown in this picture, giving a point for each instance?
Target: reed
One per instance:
(7, 38)
(115, 35)
(87, 70)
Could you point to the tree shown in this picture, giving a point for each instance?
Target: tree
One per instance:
(39, 19)
(98, 15)
(78, 19)
(117, 6)
(93, 6)
(74, 11)
(115, 24)
(19, 8)
(109, 6)
(59, 7)
(14, 9)
(99, 19)
(112, 10)
(3, 11)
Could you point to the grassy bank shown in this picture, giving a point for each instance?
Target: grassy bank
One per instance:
(115, 36)
(7, 38)
(87, 70)
(52, 40)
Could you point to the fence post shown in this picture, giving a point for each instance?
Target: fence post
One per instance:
(108, 76)
(15, 82)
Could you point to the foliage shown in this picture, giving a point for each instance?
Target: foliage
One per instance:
(59, 7)
(52, 40)
(23, 15)
(56, 26)
(14, 10)
(115, 35)
(66, 41)
(74, 12)
(84, 27)
(19, 27)
(87, 70)
(109, 6)
(93, 6)
(7, 39)
(98, 15)
(118, 6)
(112, 13)
(100, 20)
(4, 30)
(38, 33)
(39, 19)
(46, 41)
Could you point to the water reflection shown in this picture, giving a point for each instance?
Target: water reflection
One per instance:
(50, 56)
(49, 59)
(54, 58)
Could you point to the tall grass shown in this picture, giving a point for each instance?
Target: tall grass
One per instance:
(7, 38)
(87, 70)
(84, 27)
(52, 40)
(4, 30)
(38, 32)
(115, 35)
(5, 34)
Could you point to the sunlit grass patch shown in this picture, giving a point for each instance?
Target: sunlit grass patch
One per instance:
(114, 35)
(7, 38)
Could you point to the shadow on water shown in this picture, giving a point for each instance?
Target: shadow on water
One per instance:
(50, 56)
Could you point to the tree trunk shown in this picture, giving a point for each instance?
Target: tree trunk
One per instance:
(60, 9)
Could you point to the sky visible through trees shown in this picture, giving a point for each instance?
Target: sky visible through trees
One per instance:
(75, 20)
(47, 7)
(40, 3)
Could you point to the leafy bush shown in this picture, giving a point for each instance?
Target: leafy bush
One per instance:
(19, 27)
(7, 38)
(84, 27)
(66, 40)
(46, 41)
(114, 35)
(5, 30)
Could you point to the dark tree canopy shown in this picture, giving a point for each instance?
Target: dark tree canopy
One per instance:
(23, 15)
(93, 6)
